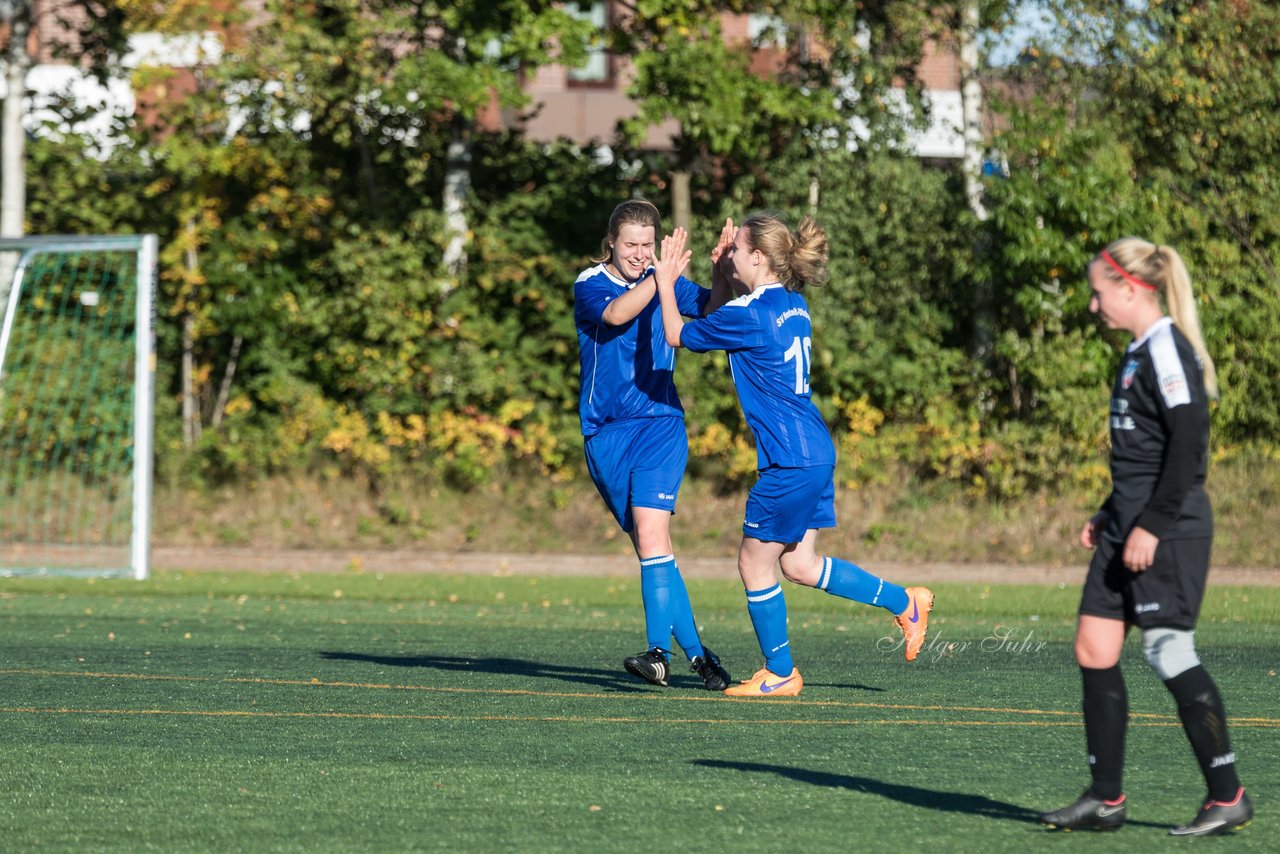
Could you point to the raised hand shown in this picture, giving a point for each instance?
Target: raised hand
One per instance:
(724, 242)
(674, 258)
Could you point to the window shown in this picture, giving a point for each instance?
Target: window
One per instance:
(598, 69)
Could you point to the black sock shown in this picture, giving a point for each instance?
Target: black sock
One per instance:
(1205, 721)
(1106, 718)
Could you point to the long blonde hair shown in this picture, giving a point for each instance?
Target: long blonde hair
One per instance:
(798, 257)
(1161, 268)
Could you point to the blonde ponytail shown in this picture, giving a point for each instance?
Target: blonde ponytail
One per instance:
(1182, 308)
(1161, 268)
(798, 258)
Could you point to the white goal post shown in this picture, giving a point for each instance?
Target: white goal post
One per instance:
(77, 387)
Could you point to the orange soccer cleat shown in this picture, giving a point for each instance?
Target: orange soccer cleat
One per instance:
(914, 621)
(766, 683)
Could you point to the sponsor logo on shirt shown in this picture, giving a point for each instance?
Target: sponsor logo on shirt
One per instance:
(1130, 371)
(664, 496)
(1120, 418)
(790, 313)
(752, 524)
(1171, 384)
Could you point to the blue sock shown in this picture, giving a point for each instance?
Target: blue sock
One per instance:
(659, 598)
(683, 624)
(841, 578)
(768, 610)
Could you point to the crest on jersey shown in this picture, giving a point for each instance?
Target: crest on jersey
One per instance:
(1130, 371)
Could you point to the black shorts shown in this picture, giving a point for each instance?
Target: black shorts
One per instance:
(1168, 593)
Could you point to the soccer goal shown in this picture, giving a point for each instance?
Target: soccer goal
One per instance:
(77, 368)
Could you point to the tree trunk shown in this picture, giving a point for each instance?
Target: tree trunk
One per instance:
(13, 142)
(681, 199)
(457, 186)
(971, 107)
(190, 409)
(190, 412)
(224, 390)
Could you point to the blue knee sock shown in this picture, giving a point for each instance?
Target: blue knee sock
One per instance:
(683, 624)
(768, 610)
(841, 578)
(660, 600)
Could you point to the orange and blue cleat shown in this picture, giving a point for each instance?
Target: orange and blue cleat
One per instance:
(766, 683)
(914, 621)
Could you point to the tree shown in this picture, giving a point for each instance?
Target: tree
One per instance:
(818, 74)
(89, 33)
(1186, 92)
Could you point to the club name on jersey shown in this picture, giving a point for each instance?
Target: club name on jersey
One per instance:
(790, 313)
(1120, 417)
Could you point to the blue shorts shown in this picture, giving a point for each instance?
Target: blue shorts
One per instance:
(638, 462)
(785, 503)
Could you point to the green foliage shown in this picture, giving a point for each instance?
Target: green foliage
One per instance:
(1169, 132)
(297, 186)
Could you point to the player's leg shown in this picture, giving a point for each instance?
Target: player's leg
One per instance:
(1168, 595)
(780, 508)
(1100, 635)
(610, 460)
(802, 564)
(659, 453)
(667, 607)
(767, 607)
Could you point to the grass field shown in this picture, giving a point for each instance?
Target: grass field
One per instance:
(203, 712)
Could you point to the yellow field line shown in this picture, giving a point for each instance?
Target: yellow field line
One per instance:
(648, 697)
(568, 719)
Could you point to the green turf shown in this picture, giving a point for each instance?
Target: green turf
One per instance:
(201, 712)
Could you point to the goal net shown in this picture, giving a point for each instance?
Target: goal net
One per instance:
(77, 365)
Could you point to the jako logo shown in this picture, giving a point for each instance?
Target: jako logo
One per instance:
(1145, 607)
(1219, 761)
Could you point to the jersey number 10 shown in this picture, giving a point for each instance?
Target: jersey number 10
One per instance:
(799, 350)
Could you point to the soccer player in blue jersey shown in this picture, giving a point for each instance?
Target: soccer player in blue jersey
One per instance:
(768, 337)
(633, 423)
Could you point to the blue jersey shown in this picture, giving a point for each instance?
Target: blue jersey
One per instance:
(768, 336)
(627, 371)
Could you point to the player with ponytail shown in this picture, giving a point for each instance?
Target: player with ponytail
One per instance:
(1151, 539)
(768, 336)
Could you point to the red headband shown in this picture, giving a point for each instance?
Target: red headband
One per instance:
(1129, 277)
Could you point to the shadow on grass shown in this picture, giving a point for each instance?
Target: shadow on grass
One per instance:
(616, 681)
(957, 802)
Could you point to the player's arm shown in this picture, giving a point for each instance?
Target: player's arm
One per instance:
(1092, 530)
(721, 289)
(668, 269)
(1177, 473)
(1177, 470)
(625, 307)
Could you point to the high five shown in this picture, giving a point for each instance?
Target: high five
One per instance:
(768, 336)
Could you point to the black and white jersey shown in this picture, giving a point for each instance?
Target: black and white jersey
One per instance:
(1159, 439)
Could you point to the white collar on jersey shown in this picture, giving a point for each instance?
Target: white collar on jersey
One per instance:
(620, 282)
(1151, 330)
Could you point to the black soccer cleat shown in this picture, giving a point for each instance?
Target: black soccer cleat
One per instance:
(707, 665)
(1088, 813)
(651, 666)
(1217, 817)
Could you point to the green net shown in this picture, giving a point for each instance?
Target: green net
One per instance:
(69, 436)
